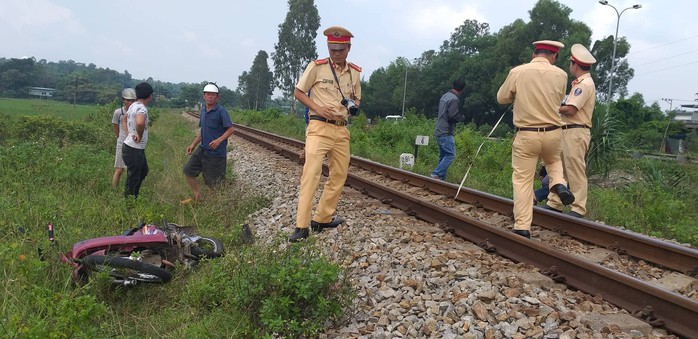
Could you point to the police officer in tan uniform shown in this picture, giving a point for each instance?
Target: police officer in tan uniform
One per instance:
(331, 90)
(536, 89)
(576, 116)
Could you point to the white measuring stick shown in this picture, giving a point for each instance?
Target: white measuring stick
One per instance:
(478, 152)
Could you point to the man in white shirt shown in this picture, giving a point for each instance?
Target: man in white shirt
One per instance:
(134, 144)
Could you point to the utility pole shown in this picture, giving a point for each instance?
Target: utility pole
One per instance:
(615, 42)
(662, 146)
(670, 101)
(75, 91)
(404, 89)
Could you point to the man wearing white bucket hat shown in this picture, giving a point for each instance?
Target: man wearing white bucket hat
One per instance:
(128, 96)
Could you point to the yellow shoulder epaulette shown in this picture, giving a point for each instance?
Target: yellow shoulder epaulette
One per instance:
(322, 61)
(357, 68)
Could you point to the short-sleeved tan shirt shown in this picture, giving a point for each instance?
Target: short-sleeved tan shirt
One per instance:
(324, 91)
(583, 97)
(536, 89)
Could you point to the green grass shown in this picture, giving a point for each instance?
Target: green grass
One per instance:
(18, 107)
(65, 179)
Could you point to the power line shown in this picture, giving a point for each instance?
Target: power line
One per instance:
(662, 69)
(666, 44)
(669, 57)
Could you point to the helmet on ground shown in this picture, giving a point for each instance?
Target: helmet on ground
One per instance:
(211, 88)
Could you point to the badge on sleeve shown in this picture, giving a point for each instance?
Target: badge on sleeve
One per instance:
(577, 91)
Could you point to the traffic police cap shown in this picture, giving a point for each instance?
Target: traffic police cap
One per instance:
(581, 55)
(550, 45)
(338, 38)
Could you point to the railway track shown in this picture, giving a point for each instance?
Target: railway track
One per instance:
(655, 305)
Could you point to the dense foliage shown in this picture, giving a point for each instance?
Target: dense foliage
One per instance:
(255, 86)
(482, 59)
(78, 83)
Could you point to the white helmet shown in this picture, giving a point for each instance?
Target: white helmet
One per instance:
(211, 88)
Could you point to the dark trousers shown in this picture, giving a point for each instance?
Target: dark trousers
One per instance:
(136, 169)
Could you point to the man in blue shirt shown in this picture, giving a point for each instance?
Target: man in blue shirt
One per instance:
(210, 156)
(449, 116)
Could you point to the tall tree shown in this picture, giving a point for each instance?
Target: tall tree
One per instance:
(242, 88)
(257, 85)
(603, 52)
(296, 46)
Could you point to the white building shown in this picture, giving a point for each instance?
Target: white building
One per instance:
(41, 92)
(688, 115)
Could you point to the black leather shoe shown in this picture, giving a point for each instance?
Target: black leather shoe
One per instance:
(319, 226)
(523, 233)
(547, 207)
(564, 193)
(299, 234)
(575, 214)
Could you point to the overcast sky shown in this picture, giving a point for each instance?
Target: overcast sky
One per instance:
(193, 41)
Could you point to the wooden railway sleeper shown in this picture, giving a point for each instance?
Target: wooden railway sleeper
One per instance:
(386, 200)
(555, 275)
(647, 315)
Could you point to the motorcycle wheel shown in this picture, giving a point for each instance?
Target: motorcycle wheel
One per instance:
(207, 248)
(126, 271)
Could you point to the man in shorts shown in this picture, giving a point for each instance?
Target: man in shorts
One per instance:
(212, 139)
(128, 96)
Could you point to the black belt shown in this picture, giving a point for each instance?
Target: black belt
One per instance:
(574, 126)
(537, 129)
(333, 122)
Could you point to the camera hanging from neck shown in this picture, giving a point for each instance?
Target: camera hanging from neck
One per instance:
(349, 103)
(337, 79)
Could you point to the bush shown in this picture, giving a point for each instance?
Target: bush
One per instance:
(293, 291)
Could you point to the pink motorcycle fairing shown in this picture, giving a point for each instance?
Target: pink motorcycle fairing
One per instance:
(117, 242)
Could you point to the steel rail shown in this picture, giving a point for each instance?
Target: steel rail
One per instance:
(669, 255)
(652, 304)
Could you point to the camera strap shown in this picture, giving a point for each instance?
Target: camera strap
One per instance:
(335, 77)
(339, 87)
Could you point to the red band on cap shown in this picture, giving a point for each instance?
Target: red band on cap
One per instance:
(578, 62)
(551, 48)
(343, 39)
